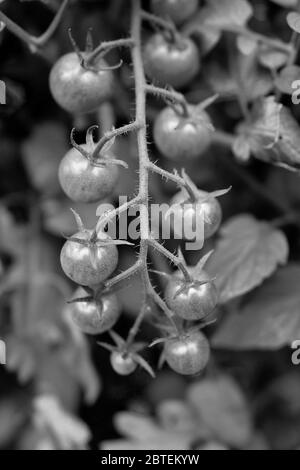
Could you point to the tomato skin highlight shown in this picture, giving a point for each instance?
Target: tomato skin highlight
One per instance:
(78, 90)
(76, 261)
(167, 64)
(188, 355)
(196, 302)
(84, 182)
(95, 318)
(177, 11)
(122, 364)
(211, 209)
(177, 138)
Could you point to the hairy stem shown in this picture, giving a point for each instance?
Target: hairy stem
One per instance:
(133, 126)
(124, 276)
(106, 47)
(167, 175)
(140, 97)
(106, 218)
(145, 166)
(174, 259)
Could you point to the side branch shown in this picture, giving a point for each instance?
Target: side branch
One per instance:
(170, 95)
(131, 127)
(174, 259)
(33, 41)
(107, 46)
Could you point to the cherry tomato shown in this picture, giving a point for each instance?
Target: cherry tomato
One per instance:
(195, 302)
(169, 63)
(88, 265)
(122, 363)
(189, 354)
(84, 182)
(182, 138)
(79, 90)
(176, 10)
(93, 317)
(187, 212)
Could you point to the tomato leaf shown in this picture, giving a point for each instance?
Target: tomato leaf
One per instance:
(286, 3)
(274, 135)
(68, 431)
(293, 20)
(249, 252)
(136, 426)
(271, 58)
(209, 37)
(211, 19)
(241, 149)
(222, 406)
(248, 79)
(286, 78)
(269, 319)
(228, 13)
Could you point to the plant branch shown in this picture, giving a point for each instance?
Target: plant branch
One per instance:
(158, 21)
(106, 218)
(145, 166)
(133, 126)
(260, 38)
(106, 47)
(167, 175)
(136, 326)
(124, 276)
(168, 95)
(33, 41)
(174, 259)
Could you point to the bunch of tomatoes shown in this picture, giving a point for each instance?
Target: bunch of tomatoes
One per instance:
(89, 174)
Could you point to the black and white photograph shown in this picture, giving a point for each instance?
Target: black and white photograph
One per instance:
(149, 228)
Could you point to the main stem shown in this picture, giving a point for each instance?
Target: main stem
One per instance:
(140, 97)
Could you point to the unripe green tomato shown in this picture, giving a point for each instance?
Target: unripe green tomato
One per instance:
(76, 260)
(196, 302)
(189, 354)
(77, 89)
(177, 11)
(95, 318)
(168, 63)
(210, 210)
(122, 363)
(84, 182)
(179, 139)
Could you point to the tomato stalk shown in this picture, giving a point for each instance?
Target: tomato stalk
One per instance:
(32, 41)
(260, 38)
(140, 126)
(105, 47)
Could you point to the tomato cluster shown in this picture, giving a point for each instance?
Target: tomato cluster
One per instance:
(87, 173)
